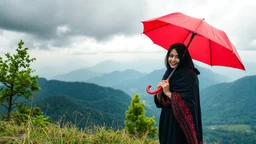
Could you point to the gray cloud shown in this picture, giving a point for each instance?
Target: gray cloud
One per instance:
(102, 19)
(95, 18)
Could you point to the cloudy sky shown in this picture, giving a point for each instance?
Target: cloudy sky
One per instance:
(67, 35)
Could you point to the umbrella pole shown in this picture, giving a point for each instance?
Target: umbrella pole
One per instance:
(172, 72)
(191, 38)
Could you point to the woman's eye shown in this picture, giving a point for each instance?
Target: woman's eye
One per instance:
(172, 55)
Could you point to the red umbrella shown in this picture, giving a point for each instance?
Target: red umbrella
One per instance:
(205, 43)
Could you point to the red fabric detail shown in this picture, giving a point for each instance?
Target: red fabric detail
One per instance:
(184, 117)
(166, 102)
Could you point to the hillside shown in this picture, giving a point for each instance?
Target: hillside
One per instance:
(100, 105)
(230, 103)
(82, 114)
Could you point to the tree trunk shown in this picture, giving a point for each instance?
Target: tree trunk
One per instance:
(9, 109)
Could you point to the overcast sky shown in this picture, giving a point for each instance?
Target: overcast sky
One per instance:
(73, 34)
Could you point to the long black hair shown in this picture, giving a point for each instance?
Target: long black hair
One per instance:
(183, 54)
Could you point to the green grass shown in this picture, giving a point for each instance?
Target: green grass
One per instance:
(10, 133)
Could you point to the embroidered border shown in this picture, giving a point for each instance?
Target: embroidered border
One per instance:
(166, 102)
(184, 117)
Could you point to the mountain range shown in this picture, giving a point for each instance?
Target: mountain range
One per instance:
(109, 66)
(131, 80)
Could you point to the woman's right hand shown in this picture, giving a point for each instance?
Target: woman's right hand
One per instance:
(160, 85)
(159, 94)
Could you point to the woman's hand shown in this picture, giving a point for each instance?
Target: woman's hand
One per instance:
(159, 94)
(166, 88)
(160, 85)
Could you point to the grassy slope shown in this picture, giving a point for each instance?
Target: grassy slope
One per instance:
(54, 133)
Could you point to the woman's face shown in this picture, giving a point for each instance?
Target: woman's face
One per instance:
(173, 58)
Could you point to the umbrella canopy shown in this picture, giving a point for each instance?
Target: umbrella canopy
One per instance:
(205, 43)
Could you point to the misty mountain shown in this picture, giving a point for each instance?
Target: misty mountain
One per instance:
(207, 77)
(132, 81)
(112, 74)
(230, 103)
(77, 75)
(144, 66)
(234, 74)
(106, 67)
(116, 78)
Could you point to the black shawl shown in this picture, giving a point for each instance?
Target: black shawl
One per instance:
(185, 102)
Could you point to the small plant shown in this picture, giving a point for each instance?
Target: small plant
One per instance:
(137, 123)
(40, 121)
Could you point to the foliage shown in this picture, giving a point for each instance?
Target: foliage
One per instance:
(40, 120)
(137, 123)
(24, 115)
(15, 75)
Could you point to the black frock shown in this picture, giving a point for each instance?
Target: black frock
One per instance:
(180, 119)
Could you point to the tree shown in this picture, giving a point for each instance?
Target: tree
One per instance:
(137, 123)
(16, 79)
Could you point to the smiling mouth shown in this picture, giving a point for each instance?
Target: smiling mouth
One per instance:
(173, 63)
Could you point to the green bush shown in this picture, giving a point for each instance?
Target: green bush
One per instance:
(137, 124)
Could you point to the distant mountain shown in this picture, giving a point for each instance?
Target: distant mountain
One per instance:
(116, 78)
(206, 79)
(144, 66)
(110, 73)
(77, 75)
(107, 67)
(132, 81)
(250, 68)
(230, 103)
(101, 105)
(235, 74)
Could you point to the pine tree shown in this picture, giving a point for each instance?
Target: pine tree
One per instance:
(136, 122)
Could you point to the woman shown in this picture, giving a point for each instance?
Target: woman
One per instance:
(180, 120)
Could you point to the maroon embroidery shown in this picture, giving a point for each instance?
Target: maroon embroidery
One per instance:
(166, 102)
(184, 117)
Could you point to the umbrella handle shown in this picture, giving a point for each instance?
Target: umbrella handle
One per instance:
(153, 92)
